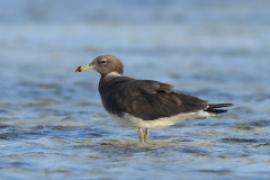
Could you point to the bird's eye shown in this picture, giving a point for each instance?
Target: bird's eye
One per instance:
(103, 62)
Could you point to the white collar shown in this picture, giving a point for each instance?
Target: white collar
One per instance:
(112, 75)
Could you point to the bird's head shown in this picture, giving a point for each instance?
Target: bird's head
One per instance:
(104, 65)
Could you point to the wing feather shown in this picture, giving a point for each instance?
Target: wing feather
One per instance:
(148, 99)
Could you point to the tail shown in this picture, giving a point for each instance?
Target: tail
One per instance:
(218, 108)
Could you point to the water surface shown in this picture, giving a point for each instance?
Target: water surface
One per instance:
(52, 123)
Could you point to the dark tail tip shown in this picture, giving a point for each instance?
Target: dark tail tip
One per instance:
(221, 105)
(218, 108)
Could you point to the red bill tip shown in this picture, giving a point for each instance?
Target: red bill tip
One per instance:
(78, 69)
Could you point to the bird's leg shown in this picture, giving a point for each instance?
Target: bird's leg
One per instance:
(146, 135)
(143, 134)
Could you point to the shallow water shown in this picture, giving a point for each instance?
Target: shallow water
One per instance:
(52, 123)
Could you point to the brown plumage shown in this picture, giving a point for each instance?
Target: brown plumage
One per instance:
(145, 101)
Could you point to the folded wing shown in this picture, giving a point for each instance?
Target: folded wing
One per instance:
(148, 99)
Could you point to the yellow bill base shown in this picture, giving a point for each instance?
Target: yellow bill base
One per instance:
(86, 67)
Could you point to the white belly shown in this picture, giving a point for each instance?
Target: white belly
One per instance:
(132, 121)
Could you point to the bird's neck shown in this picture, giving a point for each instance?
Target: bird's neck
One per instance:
(106, 78)
(110, 76)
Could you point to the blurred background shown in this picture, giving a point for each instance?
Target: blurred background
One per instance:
(52, 123)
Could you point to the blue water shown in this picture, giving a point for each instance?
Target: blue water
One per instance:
(52, 123)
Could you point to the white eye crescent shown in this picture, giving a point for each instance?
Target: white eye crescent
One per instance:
(103, 62)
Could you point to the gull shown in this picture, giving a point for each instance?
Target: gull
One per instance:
(145, 104)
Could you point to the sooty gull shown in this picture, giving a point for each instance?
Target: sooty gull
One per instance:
(145, 104)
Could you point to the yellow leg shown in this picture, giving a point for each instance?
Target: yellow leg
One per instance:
(143, 135)
(146, 135)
